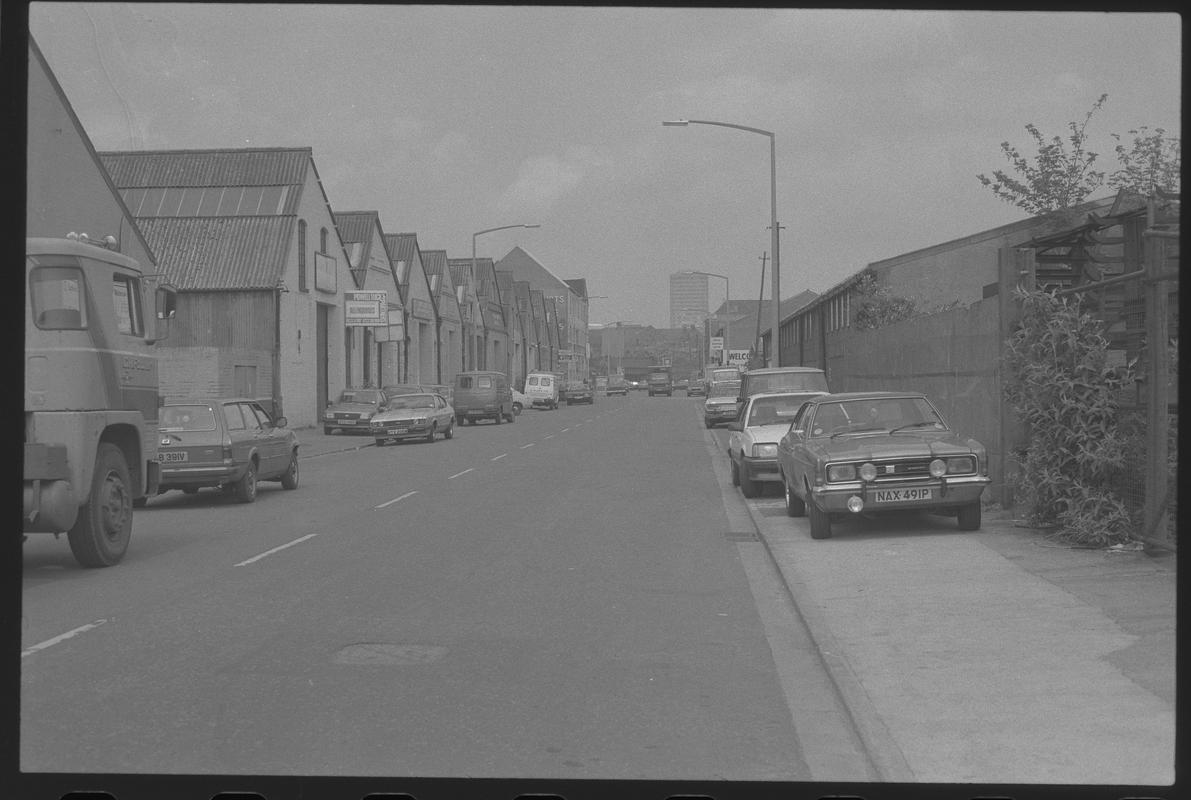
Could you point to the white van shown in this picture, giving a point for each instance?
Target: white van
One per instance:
(542, 389)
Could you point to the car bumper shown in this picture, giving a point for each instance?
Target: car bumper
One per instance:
(400, 432)
(944, 494)
(173, 477)
(719, 416)
(760, 469)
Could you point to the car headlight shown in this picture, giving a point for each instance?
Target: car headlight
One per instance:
(938, 468)
(328, 415)
(366, 415)
(765, 451)
(961, 465)
(868, 472)
(841, 472)
(419, 421)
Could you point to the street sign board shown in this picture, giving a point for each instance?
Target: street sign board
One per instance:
(738, 358)
(717, 343)
(365, 309)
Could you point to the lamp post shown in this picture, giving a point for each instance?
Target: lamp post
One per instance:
(777, 314)
(727, 306)
(474, 236)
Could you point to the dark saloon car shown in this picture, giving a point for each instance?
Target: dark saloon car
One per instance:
(697, 388)
(231, 443)
(875, 452)
(354, 410)
(579, 392)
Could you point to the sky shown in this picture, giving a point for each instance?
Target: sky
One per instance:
(450, 120)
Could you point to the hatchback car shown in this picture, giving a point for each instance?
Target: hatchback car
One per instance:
(697, 388)
(875, 452)
(353, 410)
(230, 443)
(414, 416)
(752, 445)
(579, 392)
(721, 405)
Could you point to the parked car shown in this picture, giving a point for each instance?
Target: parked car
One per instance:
(483, 394)
(542, 389)
(394, 389)
(231, 443)
(520, 402)
(640, 386)
(782, 379)
(721, 405)
(752, 445)
(353, 410)
(682, 384)
(617, 385)
(875, 452)
(414, 416)
(579, 392)
(697, 388)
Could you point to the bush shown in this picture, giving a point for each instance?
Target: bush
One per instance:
(1060, 385)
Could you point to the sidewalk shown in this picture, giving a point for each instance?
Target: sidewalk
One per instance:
(1054, 665)
(313, 442)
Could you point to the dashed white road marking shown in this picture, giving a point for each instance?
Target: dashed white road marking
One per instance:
(526, 445)
(499, 457)
(457, 474)
(548, 436)
(62, 637)
(564, 430)
(299, 540)
(396, 499)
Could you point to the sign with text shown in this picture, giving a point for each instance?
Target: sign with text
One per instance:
(738, 358)
(324, 273)
(717, 343)
(365, 309)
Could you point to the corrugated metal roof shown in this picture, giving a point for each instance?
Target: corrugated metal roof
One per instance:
(247, 167)
(579, 285)
(220, 253)
(356, 226)
(403, 246)
(434, 262)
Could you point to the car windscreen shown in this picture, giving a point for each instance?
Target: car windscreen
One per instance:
(784, 381)
(776, 410)
(724, 391)
(875, 414)
(367, 396)
(412, 401)
(187, 418)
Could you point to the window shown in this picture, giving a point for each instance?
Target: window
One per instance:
(302, 287)
(233, 417)
(133, 198)
(58, 299)
(209, 204)
(272, 200)
(190, 201)
(256, 416)
(126, 300)
(170, 202)
(229, 202)
(322, 241)
(250, 201)
(151, 202)
(187, 418)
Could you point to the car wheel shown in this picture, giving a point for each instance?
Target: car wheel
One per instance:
(735, 472)
(969, 517)
(381, 442)
(820, 521)
(246, 486)
(516, 409)
(449, 433)
(512, 417)
(795, 507)
(289, 478)
(103, 527)
(433, 430)
(328, 431)
(748, 486)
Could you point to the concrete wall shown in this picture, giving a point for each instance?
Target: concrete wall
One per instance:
(953, 357)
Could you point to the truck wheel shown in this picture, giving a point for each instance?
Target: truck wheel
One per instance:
(459, 419)
(516, 409)
(246, 486)
(820, 521)
(500, 415)
(100, 535)
(289, 478)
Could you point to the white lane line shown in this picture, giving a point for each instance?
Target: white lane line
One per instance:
(276, 549)
(457, 474)
(526, 445)
(396, 499)
(548, 436)
(62, 637)
(499, 457)
(588, 420)
(564, 430)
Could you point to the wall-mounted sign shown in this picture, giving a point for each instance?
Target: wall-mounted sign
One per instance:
(365, 309)
(717, 343)
(738, 358)
(422, 308)
(324, 273)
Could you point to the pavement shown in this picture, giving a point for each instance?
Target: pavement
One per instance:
(1056, 666)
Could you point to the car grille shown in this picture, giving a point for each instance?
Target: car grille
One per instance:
(916, 468)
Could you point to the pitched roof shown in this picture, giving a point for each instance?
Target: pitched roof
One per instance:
(578, 285)
(220, 253)
(402, 246)
(277, 166)
(434, 262)
(357, 227)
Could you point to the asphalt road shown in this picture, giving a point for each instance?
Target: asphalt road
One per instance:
(569, 596)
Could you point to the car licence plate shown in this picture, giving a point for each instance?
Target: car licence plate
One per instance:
(396, 431)
(172, 456)
(902, 495)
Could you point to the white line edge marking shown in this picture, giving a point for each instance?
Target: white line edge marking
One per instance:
(62, 637)
(564, 430)
(396, 499)
(499, 457)
(548, 436)
(457, 474)
(276, 549)
(526, 445)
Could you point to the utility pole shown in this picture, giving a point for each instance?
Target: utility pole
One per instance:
(755, 361)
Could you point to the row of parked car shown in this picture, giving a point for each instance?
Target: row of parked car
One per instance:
(837, 455)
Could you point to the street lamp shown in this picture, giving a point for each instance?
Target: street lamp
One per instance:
(727, 305)
(777, 314)
(508, 355)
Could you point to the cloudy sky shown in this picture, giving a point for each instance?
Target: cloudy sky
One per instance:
(449, 120)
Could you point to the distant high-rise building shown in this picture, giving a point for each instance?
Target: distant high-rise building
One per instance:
(688, 299)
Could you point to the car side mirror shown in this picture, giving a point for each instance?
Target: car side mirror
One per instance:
(734, 425)
(281, 422)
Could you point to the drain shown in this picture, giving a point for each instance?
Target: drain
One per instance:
(388, 654)
(741, 536)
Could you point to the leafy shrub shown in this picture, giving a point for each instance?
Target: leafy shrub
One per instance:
(1060, 385)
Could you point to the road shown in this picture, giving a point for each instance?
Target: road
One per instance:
(576, 595)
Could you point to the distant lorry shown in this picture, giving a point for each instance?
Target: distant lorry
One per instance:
(92, 317)
(661, 381)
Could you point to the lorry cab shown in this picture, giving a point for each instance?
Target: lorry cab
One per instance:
(542, 389)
